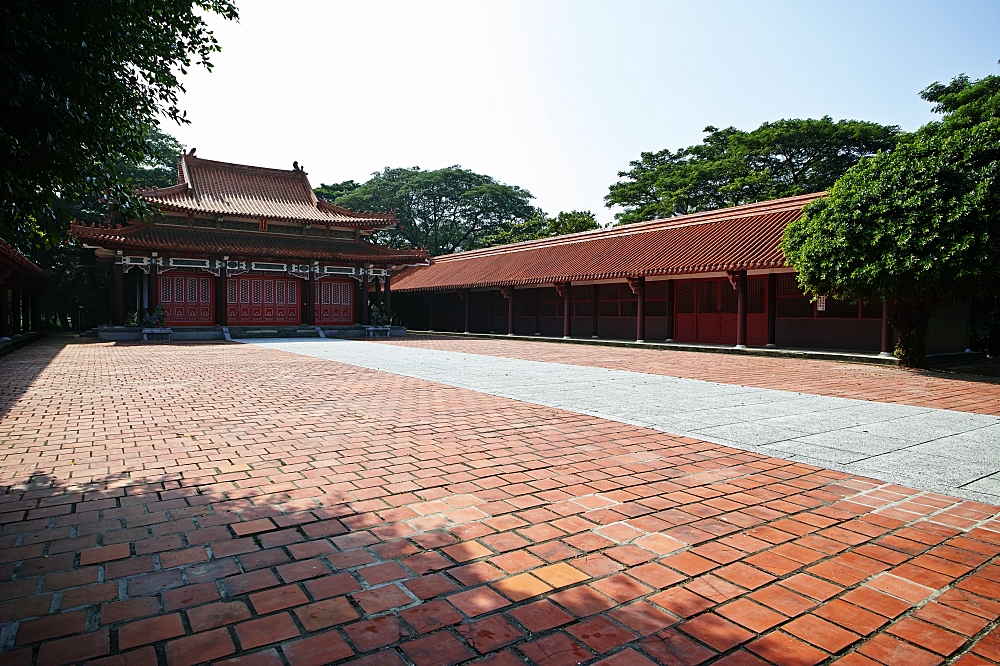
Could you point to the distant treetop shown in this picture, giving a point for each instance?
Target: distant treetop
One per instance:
(733, 167)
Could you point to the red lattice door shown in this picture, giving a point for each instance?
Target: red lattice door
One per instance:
(334, 302)
(187, 298)
(261, 299)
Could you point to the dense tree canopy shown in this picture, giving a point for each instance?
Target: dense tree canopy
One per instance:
(83, 85)
(76, 280)
(732, 167)
(336, 190)
(918, 226)
(444, 210)
(542, 226)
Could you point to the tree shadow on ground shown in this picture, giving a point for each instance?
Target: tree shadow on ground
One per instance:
(20, 368)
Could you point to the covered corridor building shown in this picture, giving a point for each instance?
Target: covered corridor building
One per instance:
(717, 277)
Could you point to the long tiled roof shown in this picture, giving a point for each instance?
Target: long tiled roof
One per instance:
(738, 238)
(16, 264)
(207, 187)
(147, 237)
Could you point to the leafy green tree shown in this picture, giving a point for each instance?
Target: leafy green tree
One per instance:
(542, 226)
(82, 87)
(918, 226)
(732, 167)
(76, 281)
(444, 210)
(332, 192)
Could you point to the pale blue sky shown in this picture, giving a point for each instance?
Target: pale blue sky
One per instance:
(558, 96)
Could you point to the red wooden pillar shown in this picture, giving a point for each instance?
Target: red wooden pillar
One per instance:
(388, 298)
(564, 290)
(308, 303)
(118, 306)
(4, 312)
(363, 304)
(886, 331)
(508, 293)
(36, 314)
(221, 295)
(465, 296)
(640, 312)
(670, 310)
(15, 310)
(152, 287)
(25, 311)
(538, 310)
(596, 303)
(739, 281)
(772, 308)
(638, 287)
(34, 319)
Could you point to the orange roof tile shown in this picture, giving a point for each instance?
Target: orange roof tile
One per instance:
(738, 238)
(207, 187)
(13, 263)
(147, 237)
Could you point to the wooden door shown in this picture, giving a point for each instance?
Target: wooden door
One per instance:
(254, 300)
(187, 298)
(333, 302)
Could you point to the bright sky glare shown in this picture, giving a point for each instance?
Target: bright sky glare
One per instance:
(557, 96)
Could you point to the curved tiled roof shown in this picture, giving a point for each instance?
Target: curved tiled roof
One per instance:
(19, 265)
(738, 238)
(147, 237)
(207, 187)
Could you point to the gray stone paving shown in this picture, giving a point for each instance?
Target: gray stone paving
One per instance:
(956, 453)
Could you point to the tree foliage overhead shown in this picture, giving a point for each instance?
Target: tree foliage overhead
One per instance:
(733, 167)
(918, 226)
(444, 210)
(334, 191)
(542, 226)
(83, 84)
(157, 169)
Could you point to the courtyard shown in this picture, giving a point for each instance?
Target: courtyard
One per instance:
(440, 500)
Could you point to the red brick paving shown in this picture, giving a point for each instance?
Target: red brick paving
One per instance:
(184, 503)
(842, 380)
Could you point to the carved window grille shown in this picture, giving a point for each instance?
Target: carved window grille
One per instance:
(840, 309)
(164, 290)
(791, 301)
(255, 291)
(729, 297)
(178, 290)
(756, 296)
(871, 309)
(524, 302)
(231, 287)
(192, 290)
(708, 296)
(244, 291)
(551, 304)
(279, 292)
(269, 292)
(345, 293)
(656, 298)
(583, 300)
(685, 297)
(326, 293)
(291, 293)
(335, 293)
(206, 294)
